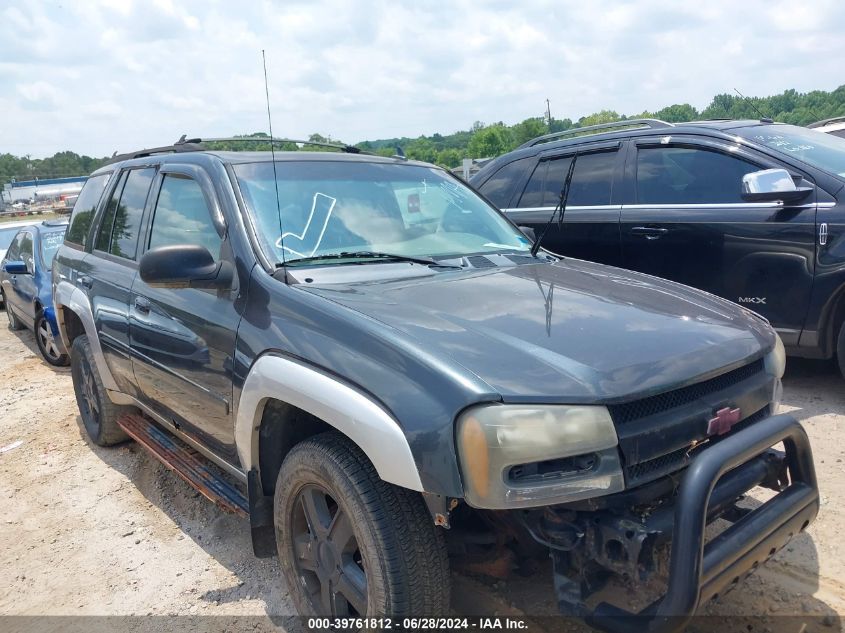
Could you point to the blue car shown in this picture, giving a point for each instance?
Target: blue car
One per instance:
(25, 285)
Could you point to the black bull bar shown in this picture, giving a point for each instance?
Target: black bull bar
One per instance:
(699, 571)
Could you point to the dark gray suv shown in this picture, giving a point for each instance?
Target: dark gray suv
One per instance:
(366, 359)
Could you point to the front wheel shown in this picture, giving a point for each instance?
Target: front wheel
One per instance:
(47, 343)
(351, 544)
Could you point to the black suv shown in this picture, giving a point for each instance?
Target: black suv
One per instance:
(688, 202)
(361, 355)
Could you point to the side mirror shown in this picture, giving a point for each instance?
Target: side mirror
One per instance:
(528, 232)
(770, 185)
(16, 268)
(184, 266)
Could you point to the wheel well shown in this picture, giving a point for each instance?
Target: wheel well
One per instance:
(283, 426)
(72, 325)
(834, 323)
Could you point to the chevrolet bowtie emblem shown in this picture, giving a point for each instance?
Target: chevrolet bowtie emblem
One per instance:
(724, 421)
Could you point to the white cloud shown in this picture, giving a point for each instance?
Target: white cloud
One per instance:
(118, 74)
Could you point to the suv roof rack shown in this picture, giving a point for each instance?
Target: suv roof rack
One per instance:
(835, 119)
(595, 129)
(185, 144)
(349, 149)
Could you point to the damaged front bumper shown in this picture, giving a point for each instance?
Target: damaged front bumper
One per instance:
(590, 547)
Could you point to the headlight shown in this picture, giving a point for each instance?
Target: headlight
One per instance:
(775, 360)
(516, 456)
(775, 363)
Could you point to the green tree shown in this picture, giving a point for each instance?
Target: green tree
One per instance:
(490, 141)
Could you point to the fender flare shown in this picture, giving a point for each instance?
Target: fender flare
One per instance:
(350, 411)
(66, 295)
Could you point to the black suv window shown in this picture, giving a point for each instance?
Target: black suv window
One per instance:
(124, 212)
(686, 175)
(591, 181)
(499, 187)
(85, 208)
(182, 216)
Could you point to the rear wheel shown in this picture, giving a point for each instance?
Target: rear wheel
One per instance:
(14, 322)
(99, 414)
(47, 344)
(350, 544)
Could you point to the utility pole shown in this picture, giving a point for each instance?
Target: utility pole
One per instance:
(548, 115)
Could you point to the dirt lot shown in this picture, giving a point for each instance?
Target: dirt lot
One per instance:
(92, 531)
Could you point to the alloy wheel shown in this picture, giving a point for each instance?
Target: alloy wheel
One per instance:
(326, 554)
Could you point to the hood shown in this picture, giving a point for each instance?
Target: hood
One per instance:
(572, 331)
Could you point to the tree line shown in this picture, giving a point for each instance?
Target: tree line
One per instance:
(487, 140)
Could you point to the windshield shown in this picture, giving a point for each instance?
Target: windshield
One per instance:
(821, 150)
(50, 243)
(333, 207)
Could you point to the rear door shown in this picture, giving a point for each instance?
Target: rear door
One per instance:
(590, 229)
(687, 221)
(183, 340)
(108, 277)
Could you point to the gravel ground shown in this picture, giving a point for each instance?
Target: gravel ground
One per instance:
(92, 531)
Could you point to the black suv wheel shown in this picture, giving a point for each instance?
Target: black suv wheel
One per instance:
(99, 413)
(350, 544)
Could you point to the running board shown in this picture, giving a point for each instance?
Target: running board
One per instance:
(185, 462)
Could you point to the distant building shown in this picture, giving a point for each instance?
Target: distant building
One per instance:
(42, 189)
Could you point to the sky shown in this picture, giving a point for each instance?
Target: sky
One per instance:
(99, 76)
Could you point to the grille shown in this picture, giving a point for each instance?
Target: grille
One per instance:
(630, 411)
(654, 468)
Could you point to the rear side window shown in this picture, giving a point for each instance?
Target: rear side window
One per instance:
(182, 216)
(85, 208)
(591, 181)
(499, 187)
(686, 175)
(125, 213)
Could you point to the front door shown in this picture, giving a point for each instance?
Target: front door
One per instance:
(689, 223)
(590, 226)
(20, 289)
(183, 340)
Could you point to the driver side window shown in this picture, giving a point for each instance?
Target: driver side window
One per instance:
(182, 216)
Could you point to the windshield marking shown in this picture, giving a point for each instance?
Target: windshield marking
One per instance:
(305, 231)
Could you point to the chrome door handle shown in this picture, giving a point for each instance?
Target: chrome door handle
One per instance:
(142, 304)
(649, 232)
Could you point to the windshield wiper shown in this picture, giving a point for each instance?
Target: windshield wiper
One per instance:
(428, 261)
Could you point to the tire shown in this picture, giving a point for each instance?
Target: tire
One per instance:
(383, 534)
(47, 344)
(99, 414)
(840, 350)
(14, 322)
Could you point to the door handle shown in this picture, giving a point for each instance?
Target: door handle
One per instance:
(142, 304)
(649, 232)
(14, 280)
(86, 281)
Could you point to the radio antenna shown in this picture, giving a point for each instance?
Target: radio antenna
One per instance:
(751, 103)
(273, 158)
